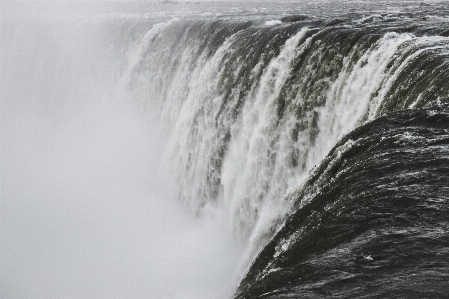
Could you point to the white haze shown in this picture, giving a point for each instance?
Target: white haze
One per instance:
(83, 214)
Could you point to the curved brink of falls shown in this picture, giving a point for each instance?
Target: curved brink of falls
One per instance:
(254, 107)
(372, 220)
(252, 103)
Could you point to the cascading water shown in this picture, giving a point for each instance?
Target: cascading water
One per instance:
(252, 101)
(261, 105)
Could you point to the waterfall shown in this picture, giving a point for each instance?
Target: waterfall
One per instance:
(253, 108)
(171, 149)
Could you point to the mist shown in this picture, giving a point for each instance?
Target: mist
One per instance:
(84, 213)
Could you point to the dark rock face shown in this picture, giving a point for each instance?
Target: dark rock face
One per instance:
(371, 222)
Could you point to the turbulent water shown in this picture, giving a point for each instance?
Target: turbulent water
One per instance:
(317, 132)
(372, 219)
(255, 104)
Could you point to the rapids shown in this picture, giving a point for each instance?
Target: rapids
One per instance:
(221, 144)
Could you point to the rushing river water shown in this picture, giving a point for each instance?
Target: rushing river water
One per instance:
(219, 149)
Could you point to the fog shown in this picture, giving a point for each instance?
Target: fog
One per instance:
(83, 210)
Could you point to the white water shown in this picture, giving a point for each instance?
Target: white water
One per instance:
(83, 211)
(257, 172)
(247, 167)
